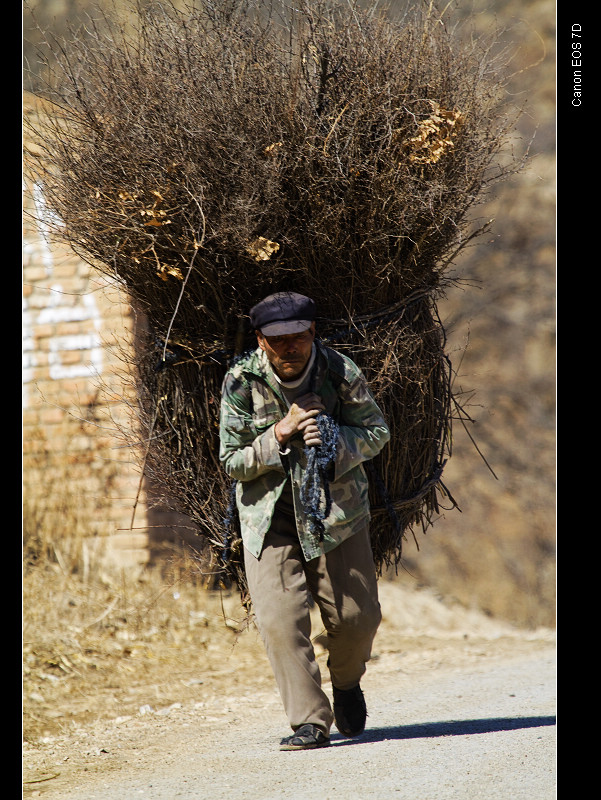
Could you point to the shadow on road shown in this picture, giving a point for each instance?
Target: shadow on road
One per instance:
(427, 730)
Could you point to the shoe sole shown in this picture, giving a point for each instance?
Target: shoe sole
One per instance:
(304, 746)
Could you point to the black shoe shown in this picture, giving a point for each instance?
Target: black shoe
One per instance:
(307, 737)
(350, 711)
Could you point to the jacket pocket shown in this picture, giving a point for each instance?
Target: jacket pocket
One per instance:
(236, 423)
(263, 421)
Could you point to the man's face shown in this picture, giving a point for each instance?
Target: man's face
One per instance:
(289, 354)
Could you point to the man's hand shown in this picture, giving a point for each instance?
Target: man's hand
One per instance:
(301, 418)
(311, 433)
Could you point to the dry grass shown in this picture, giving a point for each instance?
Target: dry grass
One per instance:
(111, 643)
(98, 640)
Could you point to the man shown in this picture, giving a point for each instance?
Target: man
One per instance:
(276, 403)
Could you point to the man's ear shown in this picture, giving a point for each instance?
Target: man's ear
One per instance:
(260, 339)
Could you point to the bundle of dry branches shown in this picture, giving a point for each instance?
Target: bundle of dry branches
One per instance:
(209, 157)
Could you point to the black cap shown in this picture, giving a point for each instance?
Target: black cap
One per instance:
(283, 313)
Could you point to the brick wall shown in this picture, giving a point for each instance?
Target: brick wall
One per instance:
(77, 402)
(80, 476)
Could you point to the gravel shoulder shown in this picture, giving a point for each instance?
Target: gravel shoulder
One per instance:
(460, 707)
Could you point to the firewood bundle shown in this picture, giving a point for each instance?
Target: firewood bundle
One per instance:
(210, 157)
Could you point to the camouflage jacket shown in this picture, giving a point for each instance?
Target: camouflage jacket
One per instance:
(251, 404)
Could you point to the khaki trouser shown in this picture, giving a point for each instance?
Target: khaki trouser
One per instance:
(344, 586)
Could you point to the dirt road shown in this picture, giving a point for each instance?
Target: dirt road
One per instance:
(460, 708)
